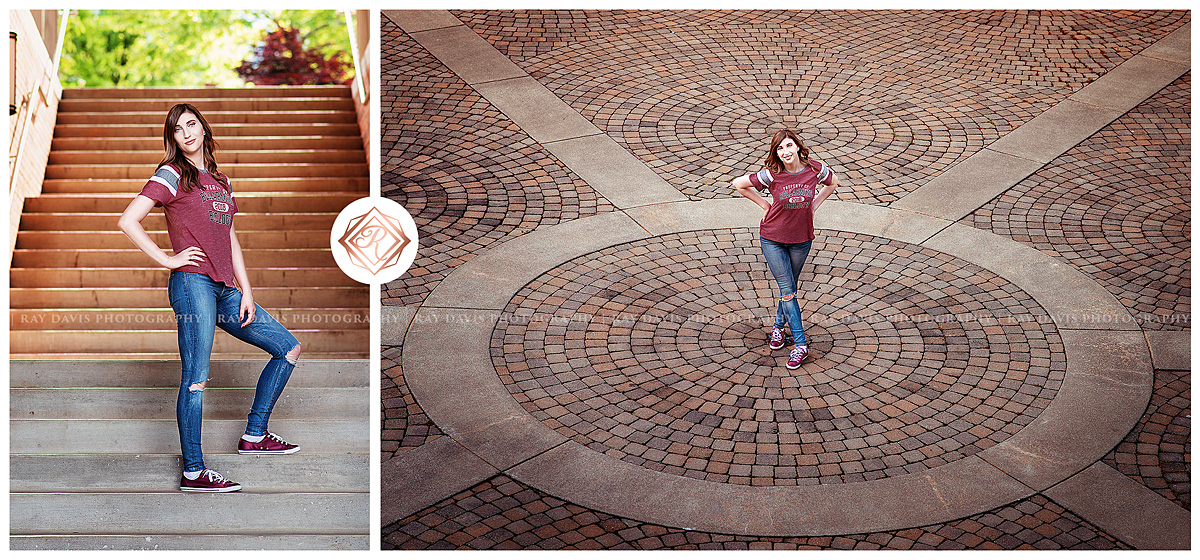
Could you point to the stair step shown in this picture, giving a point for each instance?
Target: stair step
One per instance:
(228, 158)
(96, 472)
(147, 277)
(244, 513)
(174, 93)
(126, 277)
(332, 202)
(81, 239)
(190, 542)
(220, 402)
(211, 105)
(85, 341)
(162, 436)
(116, 258)
(226, 130)
(114, 239)
(165, 373)
(267, 297)
(260, 185)
(215, 118)
(233, 170)
(145, 318)
(360, 354)
(246, 221)
(227, 144)
(242, 187)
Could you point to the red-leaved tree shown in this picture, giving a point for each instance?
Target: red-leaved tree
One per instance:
(282, 59)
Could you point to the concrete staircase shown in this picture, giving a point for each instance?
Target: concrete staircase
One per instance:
(81, 290)
(94, 458)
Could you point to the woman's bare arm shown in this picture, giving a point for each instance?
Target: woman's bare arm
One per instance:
(130, 222)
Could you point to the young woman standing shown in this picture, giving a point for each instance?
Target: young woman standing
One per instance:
(208, 288)
(786, 230)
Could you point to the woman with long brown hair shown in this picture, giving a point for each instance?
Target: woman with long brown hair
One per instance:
(798, 185)
(208, 287)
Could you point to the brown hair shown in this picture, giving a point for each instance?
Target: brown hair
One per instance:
(189, 176)
(773, 162)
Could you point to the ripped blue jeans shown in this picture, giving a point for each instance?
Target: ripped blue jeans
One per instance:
(202, 304)
(786, 260)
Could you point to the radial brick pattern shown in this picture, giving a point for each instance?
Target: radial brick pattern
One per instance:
(502, 513)
(1118, 207)
(655, 352)
(469, 177)
(405, 424)
(1157, 452)
(888, 98)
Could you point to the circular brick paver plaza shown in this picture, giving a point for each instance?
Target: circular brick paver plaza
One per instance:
(647, 357)
(611, 363)
(655, 352)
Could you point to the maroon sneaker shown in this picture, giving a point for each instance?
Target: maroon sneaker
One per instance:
(208, 481)
(797, 357)
(270, 445)
(776, 341)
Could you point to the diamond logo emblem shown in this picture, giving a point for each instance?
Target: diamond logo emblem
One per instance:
(374, 240)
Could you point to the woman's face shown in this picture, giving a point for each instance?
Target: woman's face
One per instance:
(189, 135)
(787, 151)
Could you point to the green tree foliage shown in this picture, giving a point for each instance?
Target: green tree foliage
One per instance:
(181, 48)
(108, 48)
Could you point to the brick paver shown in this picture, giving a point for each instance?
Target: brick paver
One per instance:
(405, 424)
(1158, 451)
(656, 352)
(505, 514)
(1117, 207)
(470, 178)
(888, 98)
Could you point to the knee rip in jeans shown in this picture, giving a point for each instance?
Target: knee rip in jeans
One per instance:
(198, 387)
(789, 297)
(293, 355)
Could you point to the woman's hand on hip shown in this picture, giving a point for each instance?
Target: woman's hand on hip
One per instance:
(192, 256)
(246, 312)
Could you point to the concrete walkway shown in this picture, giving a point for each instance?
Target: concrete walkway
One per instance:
(538, 361)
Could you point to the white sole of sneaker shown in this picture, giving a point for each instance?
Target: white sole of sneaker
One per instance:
(287, 452)
(210, 490)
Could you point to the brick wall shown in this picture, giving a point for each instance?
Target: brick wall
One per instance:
(35, 81)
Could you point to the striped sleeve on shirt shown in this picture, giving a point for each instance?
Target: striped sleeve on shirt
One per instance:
(761, 180)
(167, 177)
(825, 175)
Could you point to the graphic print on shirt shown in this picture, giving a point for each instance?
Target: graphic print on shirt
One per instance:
(796, 197)
(793, 196)
(219, 204)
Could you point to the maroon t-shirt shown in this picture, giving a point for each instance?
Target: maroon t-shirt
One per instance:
(199, 218)
(790, 219)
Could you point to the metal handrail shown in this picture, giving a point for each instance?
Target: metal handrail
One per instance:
(366, 95)
(62, 35)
